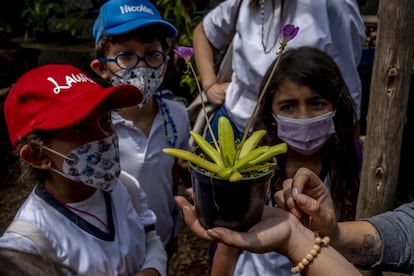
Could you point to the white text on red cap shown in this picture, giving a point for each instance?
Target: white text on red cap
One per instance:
(70, 80)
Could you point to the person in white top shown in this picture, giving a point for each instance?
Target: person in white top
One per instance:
(81, 211)
(307, 106)
(132, 46)
(334, 26)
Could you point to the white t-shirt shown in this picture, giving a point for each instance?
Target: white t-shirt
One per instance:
(142, 157)
(123, 250)
(334, 26)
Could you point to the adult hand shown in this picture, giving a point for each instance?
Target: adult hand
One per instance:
(190, 218)
(305, 194)
(270, 234)
(217, 92)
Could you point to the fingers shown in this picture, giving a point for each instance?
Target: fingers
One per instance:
(190, 192)
(305, 179)
(307, 196)
(284, 199)
(190, 218)
(312, 197)
(323, 219)
(270, 234)
(217, 92)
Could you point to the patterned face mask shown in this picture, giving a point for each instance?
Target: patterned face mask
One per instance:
(305, 136)
(96, 163)
(148, 80)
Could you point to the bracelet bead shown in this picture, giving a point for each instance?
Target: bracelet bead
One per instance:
(305, 261)
(318, 242)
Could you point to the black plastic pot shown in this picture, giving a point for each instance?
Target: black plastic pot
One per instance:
(234, 205)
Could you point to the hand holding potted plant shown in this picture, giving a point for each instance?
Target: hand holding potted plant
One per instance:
(231, 178)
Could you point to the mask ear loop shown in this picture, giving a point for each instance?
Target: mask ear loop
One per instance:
(61, 155)
(108, 81)
(58, 153)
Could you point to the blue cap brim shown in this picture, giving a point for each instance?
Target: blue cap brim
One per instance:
(138, 23)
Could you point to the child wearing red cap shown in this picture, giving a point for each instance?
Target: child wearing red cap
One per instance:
(133, 44)
(83, 211)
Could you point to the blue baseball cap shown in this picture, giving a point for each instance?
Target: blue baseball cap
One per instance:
(118, 17)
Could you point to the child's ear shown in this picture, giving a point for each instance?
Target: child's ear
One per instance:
(100, 69)
(165, 66)
(34, 156)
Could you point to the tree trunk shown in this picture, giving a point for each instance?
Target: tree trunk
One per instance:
(390, 85)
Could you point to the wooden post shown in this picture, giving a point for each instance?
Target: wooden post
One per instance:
(390, 85)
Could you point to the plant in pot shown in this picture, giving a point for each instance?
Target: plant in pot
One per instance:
(231, 178)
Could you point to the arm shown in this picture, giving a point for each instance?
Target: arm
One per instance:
(278, 231)
(155, 258)
(225, 259)
(306, 195)
(359, 242)
(155, 254)
(204, 58)
(383, 241)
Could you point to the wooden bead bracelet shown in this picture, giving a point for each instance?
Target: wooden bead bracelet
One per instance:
(312, 253)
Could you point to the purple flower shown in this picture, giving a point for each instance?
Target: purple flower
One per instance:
(184, 52)
(289, 31)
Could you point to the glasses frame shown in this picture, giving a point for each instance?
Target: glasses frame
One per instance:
(139, 59)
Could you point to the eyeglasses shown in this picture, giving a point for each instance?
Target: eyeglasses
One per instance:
(129, 60)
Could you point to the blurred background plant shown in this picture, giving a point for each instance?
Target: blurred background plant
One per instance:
(36, 15)
(69, 22)
(184, 14)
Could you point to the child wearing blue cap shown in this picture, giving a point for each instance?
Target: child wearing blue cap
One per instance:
(133, 44)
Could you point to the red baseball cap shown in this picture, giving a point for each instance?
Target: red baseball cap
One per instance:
(56, 96)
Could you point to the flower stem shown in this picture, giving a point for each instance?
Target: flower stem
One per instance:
(203, 106)
(261, 96)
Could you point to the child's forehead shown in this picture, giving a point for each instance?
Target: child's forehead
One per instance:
(133, 38)
(133, 45)
(148, 33)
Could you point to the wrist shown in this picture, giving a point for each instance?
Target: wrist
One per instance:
(335, 234)
(300, 241)
(207, 87)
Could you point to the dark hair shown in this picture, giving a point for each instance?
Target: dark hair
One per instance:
(29, 174)
(315, 69)
(14, 170)
(147, 34)
(16, 263)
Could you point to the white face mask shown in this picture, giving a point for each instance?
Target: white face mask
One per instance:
(148, 80)
(96, 163)
(306, 136)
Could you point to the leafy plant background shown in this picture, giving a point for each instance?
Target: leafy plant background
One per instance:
(185, 15)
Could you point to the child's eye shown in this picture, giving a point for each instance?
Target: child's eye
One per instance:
(319, 104)
(287, 107)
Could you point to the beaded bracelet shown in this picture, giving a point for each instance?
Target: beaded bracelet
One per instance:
(312, 254)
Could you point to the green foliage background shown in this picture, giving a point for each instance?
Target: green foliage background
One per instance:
(184, 15)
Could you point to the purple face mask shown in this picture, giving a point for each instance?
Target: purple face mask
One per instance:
(305, 136)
